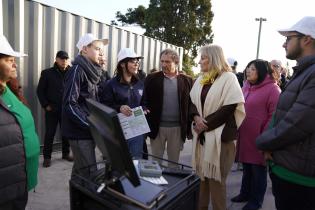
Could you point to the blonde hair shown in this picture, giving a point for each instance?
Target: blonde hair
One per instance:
(216, 58)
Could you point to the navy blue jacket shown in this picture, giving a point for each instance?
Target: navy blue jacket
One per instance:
(78, 88)
(116, 93)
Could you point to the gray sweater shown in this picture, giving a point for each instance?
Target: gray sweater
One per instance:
(170, 108)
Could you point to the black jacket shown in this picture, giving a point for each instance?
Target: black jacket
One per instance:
(153, 100)
(81, 83)
(50, 88)
(105, 77)
(292, 139)
(13, 181)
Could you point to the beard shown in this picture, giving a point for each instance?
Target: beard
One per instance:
(295, 53)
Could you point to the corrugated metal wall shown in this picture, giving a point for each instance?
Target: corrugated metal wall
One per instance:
(40, 31)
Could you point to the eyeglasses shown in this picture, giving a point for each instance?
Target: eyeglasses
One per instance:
(294, 35)
(134, 61)
(276, 66)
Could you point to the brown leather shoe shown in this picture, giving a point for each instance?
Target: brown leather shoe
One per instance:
(46, 163)
(68, 157)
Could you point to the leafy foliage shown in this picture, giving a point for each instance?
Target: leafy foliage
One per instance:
(136, 15)
(185, 23)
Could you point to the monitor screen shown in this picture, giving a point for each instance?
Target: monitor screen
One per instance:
(109, 138)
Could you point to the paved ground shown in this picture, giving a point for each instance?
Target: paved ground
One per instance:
(52, 192)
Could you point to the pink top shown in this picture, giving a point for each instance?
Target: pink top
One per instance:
(260, 102)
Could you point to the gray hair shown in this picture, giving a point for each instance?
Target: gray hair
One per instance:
(173, 53)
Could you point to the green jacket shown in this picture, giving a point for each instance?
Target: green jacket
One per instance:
(31, 141)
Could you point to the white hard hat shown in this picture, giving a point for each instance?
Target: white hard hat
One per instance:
(6, 49)
(87, 39)
(305, 26)
(127, 53)
(232, 62)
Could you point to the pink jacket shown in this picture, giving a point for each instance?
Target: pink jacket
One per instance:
(260, 102)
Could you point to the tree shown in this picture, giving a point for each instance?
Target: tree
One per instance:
(132, 16)
(185, 23)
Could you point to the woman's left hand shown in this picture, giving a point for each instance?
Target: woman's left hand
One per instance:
(200, 124)
(197, 130)
(126, 110)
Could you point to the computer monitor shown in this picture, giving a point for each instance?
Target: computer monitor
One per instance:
(109, 138)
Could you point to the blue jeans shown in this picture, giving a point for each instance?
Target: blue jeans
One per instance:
(135, 146)
(254, 183)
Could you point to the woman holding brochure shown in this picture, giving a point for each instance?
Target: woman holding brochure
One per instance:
(124, 92)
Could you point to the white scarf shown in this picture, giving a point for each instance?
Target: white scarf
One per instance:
(224, 91)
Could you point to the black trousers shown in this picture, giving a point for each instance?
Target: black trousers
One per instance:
(51, 121)
(290, 196)
(145, 149)
(16, 204)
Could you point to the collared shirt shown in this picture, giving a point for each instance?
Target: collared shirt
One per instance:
(170, 76)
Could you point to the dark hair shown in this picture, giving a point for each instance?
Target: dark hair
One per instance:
(262, 67)
(4, 55)
(119, 69)
(2, 88)
(16, 89)
(173, 53)
(141, 74)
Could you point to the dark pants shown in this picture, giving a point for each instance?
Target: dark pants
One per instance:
(254, 183)
(16, 204)
(135, 146)
(290, 196)
(145, 149)
(51, 121)
(84, 157)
